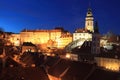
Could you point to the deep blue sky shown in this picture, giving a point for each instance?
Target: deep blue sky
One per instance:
(16, 15)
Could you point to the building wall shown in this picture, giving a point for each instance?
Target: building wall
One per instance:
(108, 63)
(29, 49)
(15, 39)
(89, 24)
(52, 38)
(82, 36)
(34, 37)
(40, 36)
(63, 41)
(103, 42)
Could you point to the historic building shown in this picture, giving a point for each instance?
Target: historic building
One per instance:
(109, 61)
(55, 38)
(28, 47)
(89, 33)
(39, 36)
(15, 39)
(109, 39)
(85, 34)
(65, 39)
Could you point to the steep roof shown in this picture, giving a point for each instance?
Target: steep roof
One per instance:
(28, 44)
(68, 70)
(74, 70)
(9, 61)
(51, 61)
(59, 69)
(78, 71)
(84, 49)
(30, 58)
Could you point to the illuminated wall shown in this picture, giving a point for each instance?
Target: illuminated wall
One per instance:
(42, 38)
(82, 36)
(108, 63)
(39, 36)
(103, 42)
(64, 40)
(15, 39)
(53, 38)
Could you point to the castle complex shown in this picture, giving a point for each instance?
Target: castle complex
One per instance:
(89, 33)
(58, 37)
(55, 38)
(85, 34)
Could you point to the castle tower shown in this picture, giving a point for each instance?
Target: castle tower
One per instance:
(89, 23)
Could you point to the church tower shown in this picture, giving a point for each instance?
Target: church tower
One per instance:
(89, 23)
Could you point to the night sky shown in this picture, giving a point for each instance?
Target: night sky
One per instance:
(16, 15)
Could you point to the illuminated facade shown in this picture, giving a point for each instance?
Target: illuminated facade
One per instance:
(48, 38)
(85, 34)
(89, 33)
(82, 35)
(39, 36)
(108, 40)
(108, 63)
(65, 39)
(15, 39)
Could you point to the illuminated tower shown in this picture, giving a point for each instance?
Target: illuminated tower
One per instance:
(89, 23)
